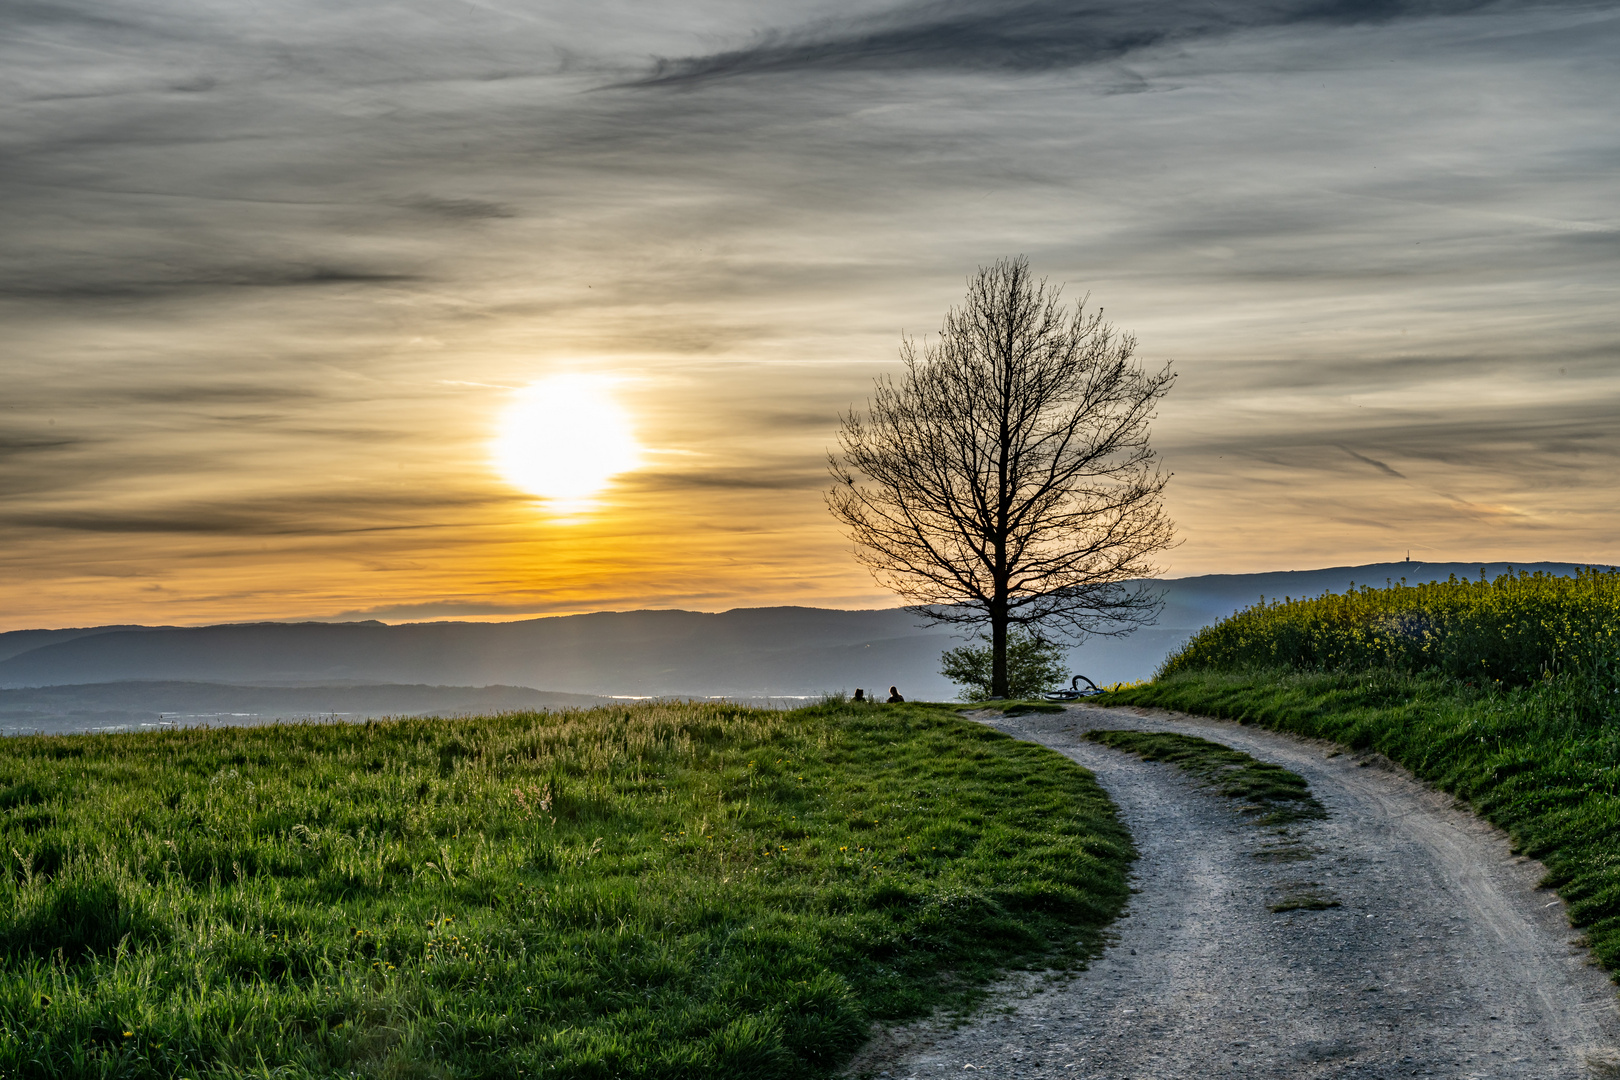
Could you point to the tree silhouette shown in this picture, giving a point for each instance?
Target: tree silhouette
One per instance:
(1007, 478)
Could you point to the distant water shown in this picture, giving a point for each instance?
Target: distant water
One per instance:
(159, 705)
(39, 723)
(72, 725)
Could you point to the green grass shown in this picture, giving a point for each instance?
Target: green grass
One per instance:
(1535, 760)
(1272, 793)
(658, 891)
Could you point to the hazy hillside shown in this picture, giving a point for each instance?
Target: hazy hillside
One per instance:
(21, 641)
(755, 652)
(748, 652)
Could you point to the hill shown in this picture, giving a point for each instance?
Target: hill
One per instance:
(745, 653)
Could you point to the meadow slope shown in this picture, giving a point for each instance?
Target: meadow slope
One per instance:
(657, 891)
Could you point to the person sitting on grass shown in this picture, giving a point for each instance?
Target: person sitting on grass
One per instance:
(894, 695)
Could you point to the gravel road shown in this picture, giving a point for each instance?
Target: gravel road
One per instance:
(1442, 959)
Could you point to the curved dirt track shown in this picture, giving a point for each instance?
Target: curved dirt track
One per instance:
(1443, 959)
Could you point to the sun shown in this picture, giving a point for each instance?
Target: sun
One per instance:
(563, 439)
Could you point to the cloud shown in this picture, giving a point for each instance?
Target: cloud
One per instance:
(269, 271)
(16, 446)
(181, 520)
(1374, 462)
(1548, 443)
(461, 209)
(308, 513)
(193, 394)
(156, 281)
(221, 521)
(439, 609)
(751, 479)
(1023, 37)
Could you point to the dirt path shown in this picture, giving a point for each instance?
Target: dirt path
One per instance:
(1443, 959)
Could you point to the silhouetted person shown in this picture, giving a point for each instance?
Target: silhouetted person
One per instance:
(860, 695)
(894, 695)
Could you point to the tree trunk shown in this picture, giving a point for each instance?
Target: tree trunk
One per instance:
(998, 651)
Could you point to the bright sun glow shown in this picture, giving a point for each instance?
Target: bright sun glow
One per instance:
(563, 439)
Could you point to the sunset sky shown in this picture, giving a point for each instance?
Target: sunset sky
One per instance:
(275, 280)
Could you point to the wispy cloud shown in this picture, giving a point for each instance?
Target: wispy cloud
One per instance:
(1022, 37)
(270, 273)
(1374, 462)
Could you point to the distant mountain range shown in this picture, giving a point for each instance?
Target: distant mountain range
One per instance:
(455, 667)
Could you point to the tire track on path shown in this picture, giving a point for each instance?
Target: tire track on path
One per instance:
(1444, 959)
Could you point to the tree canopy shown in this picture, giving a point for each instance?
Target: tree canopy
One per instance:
(1006, 479)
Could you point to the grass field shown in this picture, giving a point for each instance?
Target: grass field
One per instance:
(657, 891)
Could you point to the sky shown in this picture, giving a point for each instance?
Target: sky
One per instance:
(278, 281)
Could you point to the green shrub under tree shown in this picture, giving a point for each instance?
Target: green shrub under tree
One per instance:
(1034, 667)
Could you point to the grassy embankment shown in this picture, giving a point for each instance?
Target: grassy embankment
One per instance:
(658, 891)
(1270, 794)
(1504, 693)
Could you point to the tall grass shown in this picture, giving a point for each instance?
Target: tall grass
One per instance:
(1514, 629)
(654, 891)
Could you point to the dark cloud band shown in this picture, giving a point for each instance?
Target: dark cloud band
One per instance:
(1025, 37)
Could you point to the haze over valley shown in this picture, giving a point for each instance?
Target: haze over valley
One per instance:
(124, 677)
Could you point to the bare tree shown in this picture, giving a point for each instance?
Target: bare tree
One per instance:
(1008, 478)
